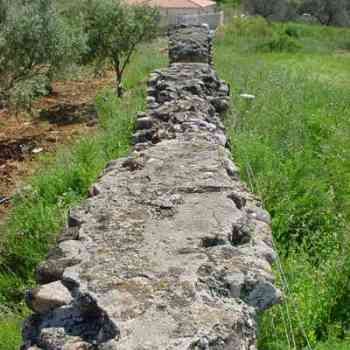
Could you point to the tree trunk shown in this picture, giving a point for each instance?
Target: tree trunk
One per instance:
(119, 77)
(119, 90)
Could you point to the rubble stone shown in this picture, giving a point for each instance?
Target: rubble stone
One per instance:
(48, 297)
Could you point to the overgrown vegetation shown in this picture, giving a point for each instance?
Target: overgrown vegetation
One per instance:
(35, 42)
(292, 144)
(41, 38)
(41, 208)
(114, 30)
(326, 12)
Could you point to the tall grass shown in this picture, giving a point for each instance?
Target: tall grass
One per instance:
(292, 144)
(64, 179)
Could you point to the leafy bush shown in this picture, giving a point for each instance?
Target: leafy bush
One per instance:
(269, 9)
(292, 30)
(328, 12)
(25, 92)
(280, 42)
(245, 26)
(34, 41)
(255, 33)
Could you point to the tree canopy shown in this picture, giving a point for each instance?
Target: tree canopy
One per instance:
(114, 30)
(327, 12)
(34, 40)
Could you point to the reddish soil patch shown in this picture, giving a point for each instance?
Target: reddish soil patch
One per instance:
(57, 119)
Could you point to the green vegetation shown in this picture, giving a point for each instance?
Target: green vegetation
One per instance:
(10, 333)
(292, 144)
(35, 41)
(325, 12)
(40, 39)
(114, 30)
(41, 208)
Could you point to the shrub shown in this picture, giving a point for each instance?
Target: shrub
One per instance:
(34, 41)
(269, 9)
(292, 31)
(328, 12)
(245, 26)
(281, 42)
(25, 92)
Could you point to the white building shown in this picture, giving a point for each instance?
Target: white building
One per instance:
(184, 11)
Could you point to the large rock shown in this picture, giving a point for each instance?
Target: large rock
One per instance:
(48, 297)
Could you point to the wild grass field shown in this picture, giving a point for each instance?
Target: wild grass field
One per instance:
(41, 208)
(292, 143)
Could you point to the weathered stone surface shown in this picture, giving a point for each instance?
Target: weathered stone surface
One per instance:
(48, 297)
(172, 252)
(190, 44)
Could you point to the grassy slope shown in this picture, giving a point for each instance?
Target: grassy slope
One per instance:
(292, 144)
(64, 180)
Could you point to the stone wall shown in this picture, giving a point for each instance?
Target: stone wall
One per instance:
(170, 17)
(170, 251)
(213, 20)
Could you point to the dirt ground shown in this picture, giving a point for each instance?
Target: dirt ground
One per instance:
(56, 119)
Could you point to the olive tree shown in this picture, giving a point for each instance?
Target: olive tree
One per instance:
(328, 12)
(34, 41)
(269, 9)
(3, 10)
(114, 30)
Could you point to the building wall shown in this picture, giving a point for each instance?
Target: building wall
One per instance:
(173, 16)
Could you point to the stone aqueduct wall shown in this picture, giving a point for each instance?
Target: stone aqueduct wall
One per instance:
(170, 251)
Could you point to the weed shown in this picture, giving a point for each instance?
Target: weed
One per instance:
(280, 42)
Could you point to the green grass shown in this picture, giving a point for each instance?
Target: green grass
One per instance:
(10, 336)
(292, 144)
(64, 179)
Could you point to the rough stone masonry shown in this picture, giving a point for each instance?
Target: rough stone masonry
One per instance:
(170, 251)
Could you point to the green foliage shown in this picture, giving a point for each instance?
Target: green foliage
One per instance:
(10, 325)
(280, 42)
(334, 344)
(292, 30)
(114, 31)
(34, 41)
(231, 3)
(244, 26)
(270, 9)
(327, 12)
(291, 143)
(3, 10)
(26, 91)
(252, 34)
